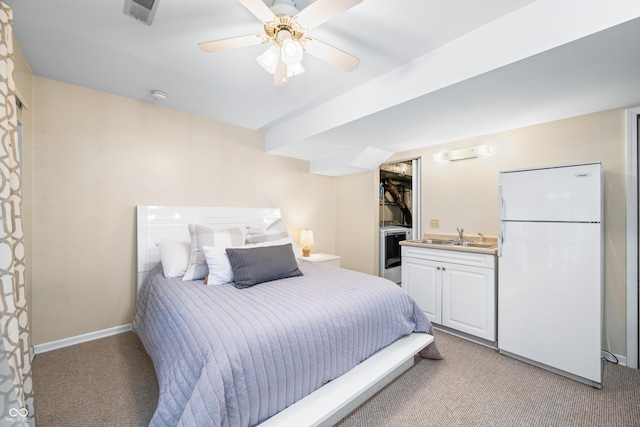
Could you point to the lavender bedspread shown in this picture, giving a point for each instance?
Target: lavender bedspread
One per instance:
(235, 357)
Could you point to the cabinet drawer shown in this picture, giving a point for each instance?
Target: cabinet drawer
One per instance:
(452, 256)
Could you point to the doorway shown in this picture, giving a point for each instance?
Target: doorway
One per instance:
(399, 213)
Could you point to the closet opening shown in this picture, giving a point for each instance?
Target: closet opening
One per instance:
(399, 213)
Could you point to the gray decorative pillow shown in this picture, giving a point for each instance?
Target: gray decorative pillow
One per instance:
(262, 264)
(275, 231)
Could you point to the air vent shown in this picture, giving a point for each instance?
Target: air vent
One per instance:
(142, 10)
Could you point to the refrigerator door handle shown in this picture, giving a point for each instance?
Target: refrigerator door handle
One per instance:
(501, 204)
(501, 219)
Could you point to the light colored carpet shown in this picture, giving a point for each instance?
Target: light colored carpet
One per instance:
(106, 382)
(476, 386)
(111, 382)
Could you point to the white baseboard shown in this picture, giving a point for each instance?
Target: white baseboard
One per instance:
(66, 342)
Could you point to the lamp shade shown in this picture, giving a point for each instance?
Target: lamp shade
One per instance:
(291, 51)
(269, 59)
(306, 237)
(294, 69)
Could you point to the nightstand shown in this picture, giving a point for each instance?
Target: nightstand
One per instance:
(325, 258)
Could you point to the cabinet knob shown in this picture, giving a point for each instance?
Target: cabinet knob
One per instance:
(438, 268)
(443, 268)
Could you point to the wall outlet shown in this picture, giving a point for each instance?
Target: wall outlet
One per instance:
(435, 223)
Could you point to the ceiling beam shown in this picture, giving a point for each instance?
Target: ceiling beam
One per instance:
(533, 29)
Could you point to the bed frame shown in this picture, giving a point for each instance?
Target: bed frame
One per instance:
(330, 403)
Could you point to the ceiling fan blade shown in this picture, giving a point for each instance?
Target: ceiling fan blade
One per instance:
(259, 9)
(231, 43)
(320, 11)
(280, 76)
(330, 54)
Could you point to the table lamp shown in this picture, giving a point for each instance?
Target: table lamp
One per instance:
(306, 240)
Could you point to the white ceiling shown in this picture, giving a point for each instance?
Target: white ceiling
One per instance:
(430, 71)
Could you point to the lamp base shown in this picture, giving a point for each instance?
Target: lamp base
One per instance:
(306, 251)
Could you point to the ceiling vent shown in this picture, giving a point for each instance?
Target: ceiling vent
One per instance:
(142, 10)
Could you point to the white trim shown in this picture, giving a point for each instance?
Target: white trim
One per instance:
(632, 243)
(332, 402)
(416, 198)
(78, 339)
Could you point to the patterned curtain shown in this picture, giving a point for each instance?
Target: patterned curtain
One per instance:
(16, 386)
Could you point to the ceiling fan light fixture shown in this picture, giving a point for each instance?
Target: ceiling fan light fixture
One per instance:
(285, 27)
(269, 59)
(291, 51)
(294, 69)
(284, 7)
(283, 35)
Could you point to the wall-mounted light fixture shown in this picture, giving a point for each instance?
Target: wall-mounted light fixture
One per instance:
(463, 153)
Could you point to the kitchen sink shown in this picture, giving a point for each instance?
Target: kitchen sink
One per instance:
(436, 241)
(476, 245)
(450, 242)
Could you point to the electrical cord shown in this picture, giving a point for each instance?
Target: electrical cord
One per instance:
(611, 355)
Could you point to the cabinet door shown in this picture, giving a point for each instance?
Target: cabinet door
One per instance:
(421, 279)
(469, 300)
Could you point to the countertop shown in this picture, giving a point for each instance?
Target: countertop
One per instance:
(450, 247)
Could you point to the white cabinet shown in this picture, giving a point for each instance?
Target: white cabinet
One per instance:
(455, 289)
(469, 300)
(422, 280)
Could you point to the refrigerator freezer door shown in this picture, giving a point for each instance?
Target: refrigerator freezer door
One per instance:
(549, 293)
(570, 193)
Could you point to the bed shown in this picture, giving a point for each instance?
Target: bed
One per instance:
(302, 350)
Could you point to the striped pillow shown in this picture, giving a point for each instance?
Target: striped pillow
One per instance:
(275, 231)
(262, 264)
(206, 236)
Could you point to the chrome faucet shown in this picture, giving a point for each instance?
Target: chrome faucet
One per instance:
(460, 236)
(481, 237)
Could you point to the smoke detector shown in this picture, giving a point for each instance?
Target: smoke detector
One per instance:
(158, 95)
(142, 10)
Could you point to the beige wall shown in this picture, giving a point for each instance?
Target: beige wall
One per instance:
(464, 193)
(356, 221)
(97, 156)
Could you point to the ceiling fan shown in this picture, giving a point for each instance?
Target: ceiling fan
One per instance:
(286, 27)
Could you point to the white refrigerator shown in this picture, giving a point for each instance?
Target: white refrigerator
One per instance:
(550, 268)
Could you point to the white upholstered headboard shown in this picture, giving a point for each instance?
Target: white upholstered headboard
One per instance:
(171, 222)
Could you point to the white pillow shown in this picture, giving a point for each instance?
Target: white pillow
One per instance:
(219, 267)
(220, 271)
(174, 257)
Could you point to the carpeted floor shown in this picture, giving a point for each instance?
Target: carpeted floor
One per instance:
(106, 382)
(111, 382)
